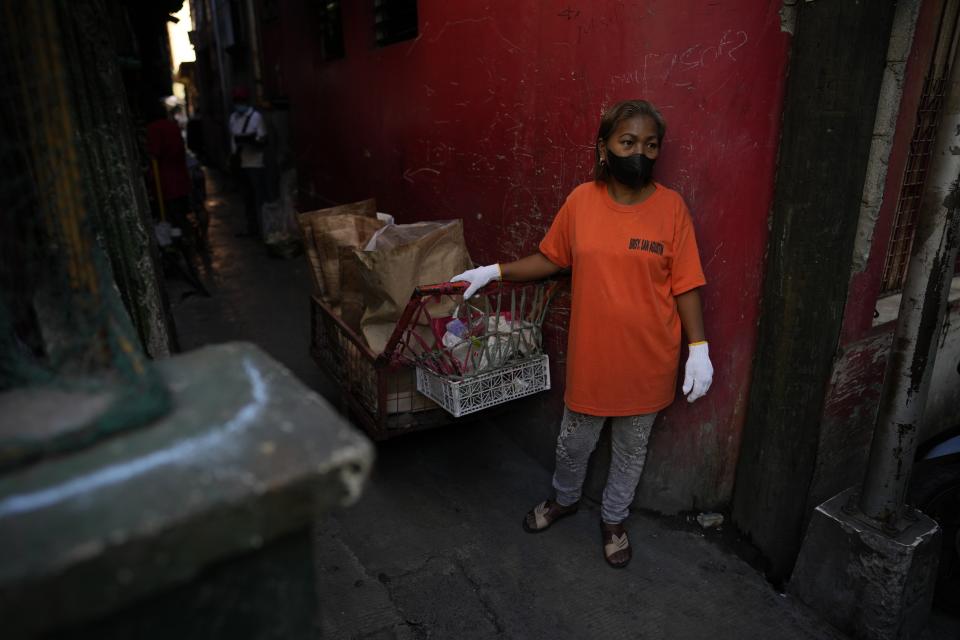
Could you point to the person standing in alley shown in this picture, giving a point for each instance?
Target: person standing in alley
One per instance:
(630, 244)
(168, 167)
(248, 136)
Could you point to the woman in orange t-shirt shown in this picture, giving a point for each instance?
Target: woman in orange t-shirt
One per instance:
(635, 275)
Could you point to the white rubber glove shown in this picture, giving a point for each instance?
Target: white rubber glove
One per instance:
(698, 374)
(478, 278)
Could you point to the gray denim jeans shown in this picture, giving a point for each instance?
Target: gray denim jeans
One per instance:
(578, 437)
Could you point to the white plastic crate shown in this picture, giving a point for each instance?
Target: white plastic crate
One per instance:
(460, 397)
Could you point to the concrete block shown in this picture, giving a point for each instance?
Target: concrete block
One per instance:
(247, 454)
(862, 580)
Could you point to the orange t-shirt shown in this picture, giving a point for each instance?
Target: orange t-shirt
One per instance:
(629, 261)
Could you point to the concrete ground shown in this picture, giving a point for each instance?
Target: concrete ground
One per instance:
(434, 548)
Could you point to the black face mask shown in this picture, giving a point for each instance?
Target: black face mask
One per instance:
(632, 171)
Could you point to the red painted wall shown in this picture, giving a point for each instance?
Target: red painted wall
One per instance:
(490, 116)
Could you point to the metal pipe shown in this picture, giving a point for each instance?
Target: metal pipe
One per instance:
(922, 308)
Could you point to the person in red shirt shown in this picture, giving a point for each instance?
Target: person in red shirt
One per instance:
(635, 277)
(165, 147)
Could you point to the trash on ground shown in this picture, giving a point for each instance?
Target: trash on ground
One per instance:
(710, 520)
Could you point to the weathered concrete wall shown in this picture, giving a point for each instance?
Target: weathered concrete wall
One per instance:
(885, 127)
(850, 412)
(837, 65)
(888, 162)
(110, 162)
(490, 116)
(851, 406)
(848, 417)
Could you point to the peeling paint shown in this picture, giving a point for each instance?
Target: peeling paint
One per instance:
(788, 16)
(933, 299)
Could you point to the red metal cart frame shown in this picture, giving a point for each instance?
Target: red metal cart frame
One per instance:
(379, 391)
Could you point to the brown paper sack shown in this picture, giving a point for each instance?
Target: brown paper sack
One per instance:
(330, 233)
(351, 289)
(431, 252)
(366, 208)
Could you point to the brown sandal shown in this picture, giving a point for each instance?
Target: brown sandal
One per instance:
(616, 545)
(545, 514)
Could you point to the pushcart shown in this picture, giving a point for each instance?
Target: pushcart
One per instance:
(418, 383)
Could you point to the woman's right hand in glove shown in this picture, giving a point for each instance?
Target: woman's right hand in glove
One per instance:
(478, 278)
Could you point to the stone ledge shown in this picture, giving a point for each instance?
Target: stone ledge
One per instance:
(247, 454)
(863, 581)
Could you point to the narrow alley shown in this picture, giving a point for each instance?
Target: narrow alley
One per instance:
(391, 319)
(434, 548)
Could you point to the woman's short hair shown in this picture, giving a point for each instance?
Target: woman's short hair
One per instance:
(613, 117)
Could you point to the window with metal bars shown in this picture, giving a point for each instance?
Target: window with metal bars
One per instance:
(394, 21)
(331, 30)
(918, 156)
(911, 187)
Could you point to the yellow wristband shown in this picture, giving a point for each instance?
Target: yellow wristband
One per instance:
(694, 344)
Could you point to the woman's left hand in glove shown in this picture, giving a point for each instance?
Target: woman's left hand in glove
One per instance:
(698, 374)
